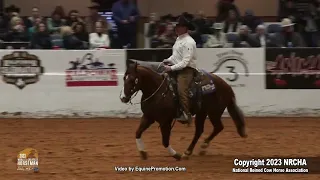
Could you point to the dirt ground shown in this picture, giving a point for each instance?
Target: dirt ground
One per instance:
(81, 149)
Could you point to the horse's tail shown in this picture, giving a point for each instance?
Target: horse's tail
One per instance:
(237, 117)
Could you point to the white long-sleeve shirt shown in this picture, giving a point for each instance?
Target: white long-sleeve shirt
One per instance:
(98, 41)
(183, 53)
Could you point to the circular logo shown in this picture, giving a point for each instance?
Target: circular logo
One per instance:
(231, 69)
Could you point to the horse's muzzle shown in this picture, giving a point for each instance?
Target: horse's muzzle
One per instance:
(125, 99)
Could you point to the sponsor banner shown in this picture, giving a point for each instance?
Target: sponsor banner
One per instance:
(55, 83)
(240, 68)
(292, 68)
(89, 70)
(21, 68)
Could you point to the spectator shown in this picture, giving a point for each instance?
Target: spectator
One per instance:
(32, 29)
(153, 26)
(126, 14)
(245, 39)
(217, 38)
(56, 40)
(250, 20)
(3, 26)
(288, 10)
(201, 23)
(224, 7)
(94, 17)
(41, 38)
(263, 38)
(80, 32)
(162, 25)
(99, 38)
(288, 38)
(34, 18)
(69, 40)
(311, 23)
(74, 18)
(17, 31)
(232, 23)
(11, 11)
(167, 39)
(56, 21)
(201, 27)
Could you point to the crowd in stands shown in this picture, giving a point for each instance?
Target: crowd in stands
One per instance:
(298, 26)
(67, 31)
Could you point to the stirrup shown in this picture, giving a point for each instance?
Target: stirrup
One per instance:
(185, 119)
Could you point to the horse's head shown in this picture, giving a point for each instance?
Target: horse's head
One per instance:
(131, 83)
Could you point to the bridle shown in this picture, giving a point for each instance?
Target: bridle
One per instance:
(134, 94)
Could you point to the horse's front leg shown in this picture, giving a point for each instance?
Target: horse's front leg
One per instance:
(144, 125)
(166, 131)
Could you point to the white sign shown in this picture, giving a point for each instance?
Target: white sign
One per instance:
(244, 69)
(70, 83)
(54, 83)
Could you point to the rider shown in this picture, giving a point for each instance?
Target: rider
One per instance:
(183, 59)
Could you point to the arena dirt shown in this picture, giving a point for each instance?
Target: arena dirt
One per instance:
(91, 148)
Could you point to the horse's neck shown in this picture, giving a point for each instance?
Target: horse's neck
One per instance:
(151, 81)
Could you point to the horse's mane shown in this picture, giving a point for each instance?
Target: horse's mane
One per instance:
(148, 71)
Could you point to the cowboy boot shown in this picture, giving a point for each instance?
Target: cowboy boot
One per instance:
(186, 118)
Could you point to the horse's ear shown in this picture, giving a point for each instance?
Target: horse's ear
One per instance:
(135, 66)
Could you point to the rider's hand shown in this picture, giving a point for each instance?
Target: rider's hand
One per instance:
(167, 68)
(166, 61)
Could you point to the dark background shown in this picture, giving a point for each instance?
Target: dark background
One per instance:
(106, 5)
(152, 55)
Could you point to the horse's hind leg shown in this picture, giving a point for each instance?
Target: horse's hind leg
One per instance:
(215, 118)
(166, 131)
(144, 125)
(199, 123)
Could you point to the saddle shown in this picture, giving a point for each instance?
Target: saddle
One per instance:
(201, 84)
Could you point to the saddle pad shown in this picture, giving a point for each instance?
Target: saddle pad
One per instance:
(208, 87)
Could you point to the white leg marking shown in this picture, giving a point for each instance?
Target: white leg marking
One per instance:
(171, 151)
(140, 144)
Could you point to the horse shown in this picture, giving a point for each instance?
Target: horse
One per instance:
(158, 105)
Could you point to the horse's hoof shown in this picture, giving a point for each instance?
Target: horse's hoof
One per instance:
(242, 132)
(202, 153)
(204, 145)
(143, 155)
(177, 156)
(185, 156)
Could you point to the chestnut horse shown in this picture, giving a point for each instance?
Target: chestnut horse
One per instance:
(157, 104)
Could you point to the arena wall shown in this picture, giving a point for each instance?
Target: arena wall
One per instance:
(39, 84)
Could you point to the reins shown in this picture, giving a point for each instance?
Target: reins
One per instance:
(149, 97)
(153, 94)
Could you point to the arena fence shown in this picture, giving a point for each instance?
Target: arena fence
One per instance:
(87, 83)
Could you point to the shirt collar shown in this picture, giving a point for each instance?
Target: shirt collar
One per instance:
(183, 36)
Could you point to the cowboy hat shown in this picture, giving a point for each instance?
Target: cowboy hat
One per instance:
(183, 21)
(12, 8)
(94, 5)
(286, 22)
